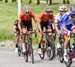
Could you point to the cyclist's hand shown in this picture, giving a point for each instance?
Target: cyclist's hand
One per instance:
(69, 32)
(35, 33)
(20, 32)
(41, 32)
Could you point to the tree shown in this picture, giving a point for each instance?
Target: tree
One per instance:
(6, 1)
(38, 2)
(68, 2)
(30, 1)
(50, 2)
(64, 2)
(12, 0)
(47, 1)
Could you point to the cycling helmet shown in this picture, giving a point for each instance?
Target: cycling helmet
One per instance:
(47, 9)
(62, 8)
(26, 8)
(72, 10)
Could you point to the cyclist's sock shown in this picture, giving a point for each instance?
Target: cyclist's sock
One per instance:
(74, 46)
(39, 45)
(23, 47)
(16, 45)
(65, 55)
(65, 51)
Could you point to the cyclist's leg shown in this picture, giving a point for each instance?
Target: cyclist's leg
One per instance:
(66, 37)
(73, 30)
(40, 38)
(17, 33)
(29, 29)
(48, 27)
(65, 46)
(24, 30)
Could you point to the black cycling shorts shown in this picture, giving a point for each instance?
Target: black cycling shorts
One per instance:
(47, 25)
(27, 25)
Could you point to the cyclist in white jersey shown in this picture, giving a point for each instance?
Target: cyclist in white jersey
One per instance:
(62, 10)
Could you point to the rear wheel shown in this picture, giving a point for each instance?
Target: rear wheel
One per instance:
(19, 51)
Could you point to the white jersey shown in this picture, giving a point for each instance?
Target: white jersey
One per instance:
(57, 18)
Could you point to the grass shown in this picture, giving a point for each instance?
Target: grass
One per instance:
(8, 14)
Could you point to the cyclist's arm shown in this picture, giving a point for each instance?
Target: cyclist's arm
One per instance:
(19, 20)
(52, 20)
(14, 28)
(19, 24)
(35, 20)
(39, 21)
(64, 20)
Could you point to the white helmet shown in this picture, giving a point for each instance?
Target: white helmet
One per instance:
(62, 8)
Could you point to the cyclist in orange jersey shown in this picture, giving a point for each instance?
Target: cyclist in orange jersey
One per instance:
(25, 23)
(46, 20)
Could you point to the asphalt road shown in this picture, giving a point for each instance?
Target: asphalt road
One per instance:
(8, 58)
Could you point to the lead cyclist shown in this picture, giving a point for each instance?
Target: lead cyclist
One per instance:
(66, 27)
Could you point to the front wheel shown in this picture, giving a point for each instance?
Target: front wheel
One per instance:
(51, 51)
(68, 64)
(60, 55)
(42, 55)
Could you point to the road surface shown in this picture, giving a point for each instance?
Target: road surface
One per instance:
(8, 58)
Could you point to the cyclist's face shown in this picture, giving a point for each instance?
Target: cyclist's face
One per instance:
(73, 15)
(48, 12)
(27, 13)
(62, 12)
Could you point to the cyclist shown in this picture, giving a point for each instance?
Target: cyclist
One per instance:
(46, 19)
(62, 10)
(17, 33)
(25, 23)
(66, 27)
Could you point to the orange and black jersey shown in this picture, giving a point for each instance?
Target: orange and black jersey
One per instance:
(44, 18)
(27, 18)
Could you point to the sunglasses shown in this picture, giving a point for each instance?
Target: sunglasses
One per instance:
(62, 11)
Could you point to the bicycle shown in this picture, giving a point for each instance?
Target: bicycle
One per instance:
(47, 45)
(71, 50)
(60, 48)
(29, 48)
(19, 44)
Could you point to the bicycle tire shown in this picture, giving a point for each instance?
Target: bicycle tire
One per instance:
(60, 54)
(43, 53)
(32, 55)
(51, 52)
(43, 49)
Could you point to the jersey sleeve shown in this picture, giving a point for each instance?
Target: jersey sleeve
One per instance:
(40, 17)
(52, 18)
(20, 16)
(55, 19)
(34, 17)
(64, 19)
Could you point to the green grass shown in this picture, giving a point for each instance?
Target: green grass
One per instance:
(8, 14)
